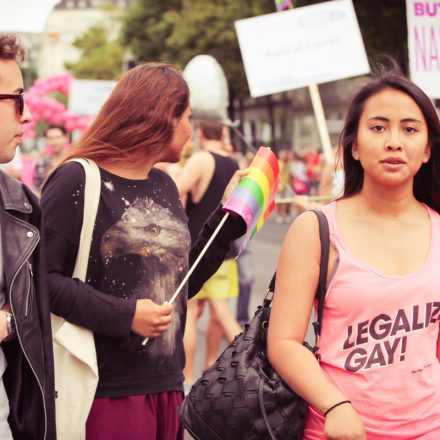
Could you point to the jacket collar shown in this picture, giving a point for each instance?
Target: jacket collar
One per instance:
(12, 195)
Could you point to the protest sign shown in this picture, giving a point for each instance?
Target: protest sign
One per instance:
(87, 96)
(423, 19)
(308, 45)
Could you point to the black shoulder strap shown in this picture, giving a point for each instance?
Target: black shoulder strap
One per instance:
(324, 237)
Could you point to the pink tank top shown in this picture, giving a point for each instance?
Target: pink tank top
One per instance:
(378, 343)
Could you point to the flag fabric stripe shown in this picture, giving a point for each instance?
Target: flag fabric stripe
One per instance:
(259, 178)
(265, 216)
(244, 196)
(239, 206)
(253, 187)
(268, 156)
(253, 199)
(267, 169)
(269, 210)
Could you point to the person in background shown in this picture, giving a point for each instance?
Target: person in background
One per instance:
(27, 394)
(300, 180)
(139, 255)
(174, 169)
(313, 164)
(378, 377)
(57, 144)
(202, 181)
(332, 176)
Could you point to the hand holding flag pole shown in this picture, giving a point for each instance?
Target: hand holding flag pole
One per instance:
(253, 200)
(191, 270)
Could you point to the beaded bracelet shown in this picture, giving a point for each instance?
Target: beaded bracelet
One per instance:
(335, 405)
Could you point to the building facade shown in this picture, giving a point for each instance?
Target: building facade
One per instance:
(69, 20)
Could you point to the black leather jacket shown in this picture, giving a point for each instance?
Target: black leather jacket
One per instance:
(29, 377)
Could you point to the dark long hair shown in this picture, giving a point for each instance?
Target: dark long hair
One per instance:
(427, 180)
(137, 119)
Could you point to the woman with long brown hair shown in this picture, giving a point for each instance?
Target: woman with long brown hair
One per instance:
(139, 254)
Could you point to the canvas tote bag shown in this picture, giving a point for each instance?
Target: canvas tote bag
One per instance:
(76, 369)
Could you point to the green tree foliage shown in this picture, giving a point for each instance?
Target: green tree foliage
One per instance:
(207, 27)
(146, 28)
(384, 29)
(101, 58)
(178, 30)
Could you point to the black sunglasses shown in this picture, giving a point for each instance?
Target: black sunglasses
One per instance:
(18, 97)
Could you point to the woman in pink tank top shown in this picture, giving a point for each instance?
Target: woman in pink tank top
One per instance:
(379, 373)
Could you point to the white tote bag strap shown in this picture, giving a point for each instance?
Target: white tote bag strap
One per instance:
(76, 369)
(92, 192)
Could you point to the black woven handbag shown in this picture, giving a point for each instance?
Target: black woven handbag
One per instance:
(241, 396)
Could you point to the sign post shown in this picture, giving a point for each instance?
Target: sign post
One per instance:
(320, 121)
(303, 47)
(316, 100)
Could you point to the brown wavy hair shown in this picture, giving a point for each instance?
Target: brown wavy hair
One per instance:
(137, 119)
(427, 180)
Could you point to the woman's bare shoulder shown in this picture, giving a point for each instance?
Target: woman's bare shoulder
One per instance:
(303, 234)
(305, 223)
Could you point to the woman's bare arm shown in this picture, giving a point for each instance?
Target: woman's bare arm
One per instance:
(297, 279)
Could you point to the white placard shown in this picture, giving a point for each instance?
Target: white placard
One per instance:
(308, 45)
(423, 20)
(87, 96)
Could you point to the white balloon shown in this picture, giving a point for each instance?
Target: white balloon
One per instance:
(208, 87)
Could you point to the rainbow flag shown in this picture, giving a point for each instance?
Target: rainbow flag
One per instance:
(254, 197)
(282, 5)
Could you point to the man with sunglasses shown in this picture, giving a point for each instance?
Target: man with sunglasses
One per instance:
(27, 396)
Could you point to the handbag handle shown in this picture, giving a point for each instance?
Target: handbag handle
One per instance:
(324, 236)
(92, 192)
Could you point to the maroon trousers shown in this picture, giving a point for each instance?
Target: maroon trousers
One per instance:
(150, 417)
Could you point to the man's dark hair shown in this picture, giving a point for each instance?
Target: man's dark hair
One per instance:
(212, 129)
(52, 126)
(10, 48)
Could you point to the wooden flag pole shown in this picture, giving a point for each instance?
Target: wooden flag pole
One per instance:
(211, 239)
(191, 270)
(309, 199)
(319, 115)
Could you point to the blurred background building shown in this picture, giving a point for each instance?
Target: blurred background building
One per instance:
(70, 20)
